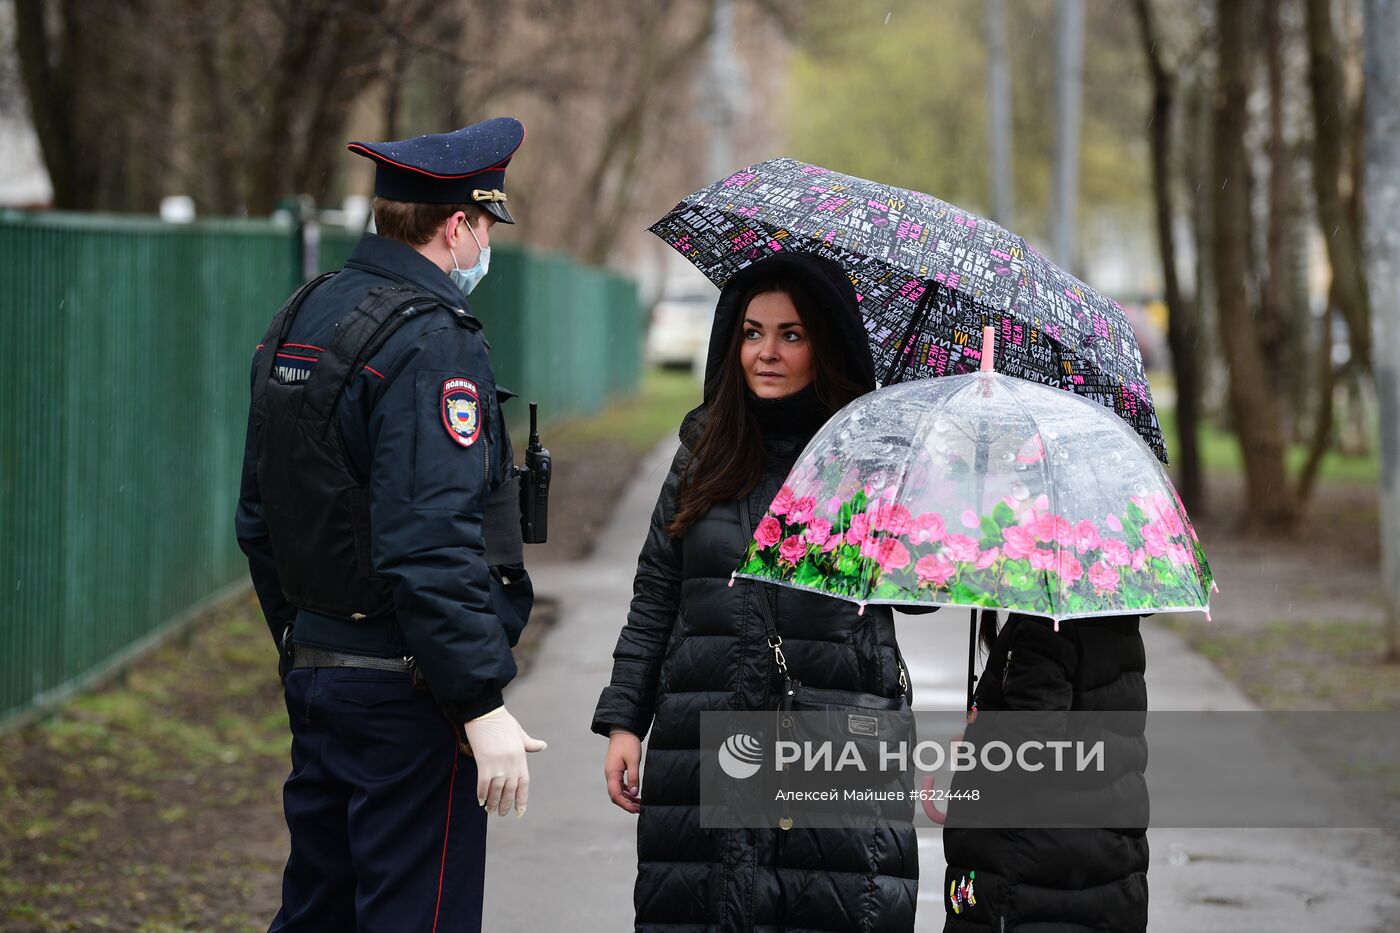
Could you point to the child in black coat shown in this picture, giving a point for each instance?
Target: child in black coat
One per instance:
(1065, 880)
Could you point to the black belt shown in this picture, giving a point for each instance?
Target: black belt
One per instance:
(306, 656)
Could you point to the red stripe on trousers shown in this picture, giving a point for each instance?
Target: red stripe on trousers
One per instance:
(446, 831)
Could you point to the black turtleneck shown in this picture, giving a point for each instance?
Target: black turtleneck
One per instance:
(792, 417)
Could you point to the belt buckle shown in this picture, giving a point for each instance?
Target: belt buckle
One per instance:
(415, 674)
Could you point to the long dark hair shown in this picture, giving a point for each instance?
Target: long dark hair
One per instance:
(987, 629)
(727, 460)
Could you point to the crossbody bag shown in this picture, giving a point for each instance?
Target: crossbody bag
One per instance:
(872, 723)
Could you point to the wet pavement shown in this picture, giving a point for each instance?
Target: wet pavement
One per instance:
(571, 862)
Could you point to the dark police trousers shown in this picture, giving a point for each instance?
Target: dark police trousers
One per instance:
(387, 836)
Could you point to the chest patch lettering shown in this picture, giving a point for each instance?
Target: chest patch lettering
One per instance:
(294, 361)
(461, 410)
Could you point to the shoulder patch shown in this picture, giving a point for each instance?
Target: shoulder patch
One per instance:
(461, 410)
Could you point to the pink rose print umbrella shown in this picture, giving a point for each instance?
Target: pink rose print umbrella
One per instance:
(929, 277)
(982, 490)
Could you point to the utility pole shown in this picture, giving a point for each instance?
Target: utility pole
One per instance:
(1069, 86)
(1382, 252)
(722, 99)
(999, 93)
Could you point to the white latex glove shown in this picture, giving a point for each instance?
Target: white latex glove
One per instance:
(499, 746)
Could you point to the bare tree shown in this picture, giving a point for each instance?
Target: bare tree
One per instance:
(243, 104)
(1337, 185)
(608, 188)
(615, 128)
(11, 84)
(1332, 126)
(1274, 298)
(1382, 230)
(1198, 172)
(1252, 401)
(98, 104)
(1288, 325)
(1183, 325)
(323, 54)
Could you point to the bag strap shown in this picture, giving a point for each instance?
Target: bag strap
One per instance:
(767, 599)
(768, 609)
(277, 332)
(358, 337)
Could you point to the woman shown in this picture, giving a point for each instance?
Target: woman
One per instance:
(1068, 880)
(787, 350)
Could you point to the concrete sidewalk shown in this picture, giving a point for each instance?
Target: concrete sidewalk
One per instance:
(570, 864)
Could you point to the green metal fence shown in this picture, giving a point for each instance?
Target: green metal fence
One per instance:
(564, 336)
(123, 411)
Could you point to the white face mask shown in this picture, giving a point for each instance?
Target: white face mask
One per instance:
(468, 279)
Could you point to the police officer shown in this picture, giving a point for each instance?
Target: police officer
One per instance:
(380, 517)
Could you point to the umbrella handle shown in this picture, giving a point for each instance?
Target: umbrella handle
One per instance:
(897, 366)
(989, 341)
(975, 615)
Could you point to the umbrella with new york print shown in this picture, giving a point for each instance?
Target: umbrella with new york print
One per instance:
(929, 277)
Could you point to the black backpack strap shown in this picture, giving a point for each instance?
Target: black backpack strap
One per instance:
(277, 332)
(358, 337)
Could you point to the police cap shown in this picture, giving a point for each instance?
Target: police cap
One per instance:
(461, 167)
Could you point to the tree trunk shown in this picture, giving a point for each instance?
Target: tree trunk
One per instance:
(1182, 333)
(1331, 125)
(1199, 174)
(1252, 401)
(47, 80)
(352, 45)
(95, 92)
(1353, 437)
(1325, 413)
(274, 147)
(393, 93)
(221, 190)
(1274, 304)
(1301, 346)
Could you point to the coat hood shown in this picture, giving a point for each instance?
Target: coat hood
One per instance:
(832, 294)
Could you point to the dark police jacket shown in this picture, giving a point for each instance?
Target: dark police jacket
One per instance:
(428, 474)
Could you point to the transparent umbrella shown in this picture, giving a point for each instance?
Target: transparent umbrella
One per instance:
(982, 490)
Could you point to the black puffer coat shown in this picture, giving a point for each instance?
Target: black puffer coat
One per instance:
(694, 643)
(1060, 880)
